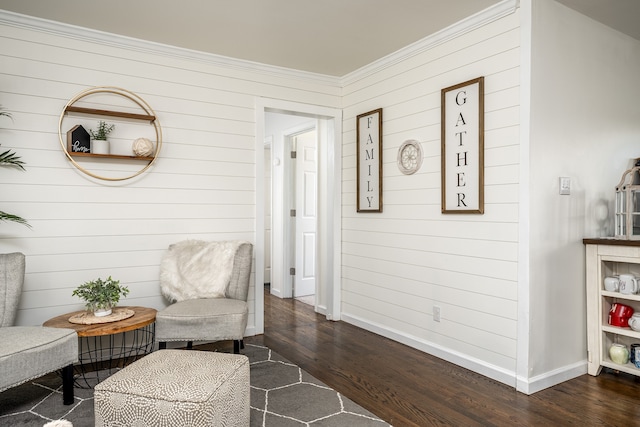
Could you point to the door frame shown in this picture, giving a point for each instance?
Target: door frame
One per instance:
(329, 130)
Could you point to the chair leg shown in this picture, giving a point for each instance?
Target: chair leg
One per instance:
(189, 345)
(236, 346)
(162, 345)
(67, 385)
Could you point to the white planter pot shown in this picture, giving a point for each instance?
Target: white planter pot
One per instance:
(99, 146)
(102, 312)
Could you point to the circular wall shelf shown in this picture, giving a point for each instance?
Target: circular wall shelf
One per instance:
(148, 115)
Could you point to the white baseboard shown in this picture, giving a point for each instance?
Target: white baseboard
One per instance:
(551, 378)
(322, 309)
(523, 385)
(276, 292)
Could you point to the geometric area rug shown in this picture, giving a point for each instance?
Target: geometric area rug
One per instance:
(282, 395)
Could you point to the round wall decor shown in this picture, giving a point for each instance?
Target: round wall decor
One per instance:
(409, 157)
(78, 147)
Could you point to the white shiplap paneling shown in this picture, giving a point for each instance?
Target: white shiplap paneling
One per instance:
(201, 186)
(399, 264)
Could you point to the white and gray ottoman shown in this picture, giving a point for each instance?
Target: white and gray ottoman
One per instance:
(176, 388)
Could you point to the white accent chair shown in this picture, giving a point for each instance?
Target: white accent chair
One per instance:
(205, 318)
(28, 352)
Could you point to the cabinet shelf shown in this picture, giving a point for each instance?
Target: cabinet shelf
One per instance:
(629, 368)
(618, 295)
(627, 332)
(97, 112)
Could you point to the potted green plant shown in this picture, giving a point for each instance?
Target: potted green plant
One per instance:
(100, 295)
(9, 158)
(100, 144)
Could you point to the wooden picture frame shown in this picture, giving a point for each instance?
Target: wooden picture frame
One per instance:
(462, 152)
(369, 161)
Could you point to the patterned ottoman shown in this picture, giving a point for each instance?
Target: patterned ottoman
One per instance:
(176, 388)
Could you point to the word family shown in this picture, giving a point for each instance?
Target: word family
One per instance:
(369, 161)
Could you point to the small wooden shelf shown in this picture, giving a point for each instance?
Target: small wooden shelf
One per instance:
(96, 112)
(110, 156)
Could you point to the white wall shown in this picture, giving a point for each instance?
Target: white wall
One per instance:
(202, 186)
(585, 124)
(399, 264)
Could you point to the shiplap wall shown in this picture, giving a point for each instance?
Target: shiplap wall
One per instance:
(399, 264)
(202, 185)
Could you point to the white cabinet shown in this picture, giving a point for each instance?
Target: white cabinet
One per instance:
(608, 257)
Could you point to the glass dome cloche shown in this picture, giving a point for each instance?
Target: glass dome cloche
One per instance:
(627, 220)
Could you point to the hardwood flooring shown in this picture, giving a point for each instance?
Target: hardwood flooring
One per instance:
(406, 387)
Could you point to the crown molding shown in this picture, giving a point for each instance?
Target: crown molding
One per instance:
(115, 40)
(493, 13)
(484, 17)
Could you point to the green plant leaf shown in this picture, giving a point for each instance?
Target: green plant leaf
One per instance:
(100, 293)
(13, 218)
(103, 130)
(9, 158)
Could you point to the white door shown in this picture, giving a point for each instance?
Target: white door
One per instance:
(306, 214)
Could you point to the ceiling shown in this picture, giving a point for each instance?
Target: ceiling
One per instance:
(332, 37)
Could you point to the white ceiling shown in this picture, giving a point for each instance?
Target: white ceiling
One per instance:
(332, 37)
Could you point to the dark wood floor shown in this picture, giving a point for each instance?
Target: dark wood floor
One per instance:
(406, 387)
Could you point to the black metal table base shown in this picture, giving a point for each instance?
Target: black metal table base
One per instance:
(102, 356)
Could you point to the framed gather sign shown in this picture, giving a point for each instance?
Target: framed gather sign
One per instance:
(369, 161)
(462, 153)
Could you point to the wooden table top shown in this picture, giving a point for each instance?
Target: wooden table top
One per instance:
(610, 241)
(143, 316)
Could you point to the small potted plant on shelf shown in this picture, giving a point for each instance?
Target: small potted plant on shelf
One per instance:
(100, 144)
(100, 295)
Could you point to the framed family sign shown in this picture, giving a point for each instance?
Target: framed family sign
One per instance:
(462, 152)
(369, 161)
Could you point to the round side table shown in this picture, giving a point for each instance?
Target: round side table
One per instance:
(104, 348)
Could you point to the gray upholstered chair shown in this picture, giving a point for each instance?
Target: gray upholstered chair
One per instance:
(198, 311)
(28, 352)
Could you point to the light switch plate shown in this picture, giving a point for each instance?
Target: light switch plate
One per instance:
(565, 185)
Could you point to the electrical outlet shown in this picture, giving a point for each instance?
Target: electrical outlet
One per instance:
(564, 184)
(436, 313)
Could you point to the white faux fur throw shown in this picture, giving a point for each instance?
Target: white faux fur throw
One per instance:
(197, 269)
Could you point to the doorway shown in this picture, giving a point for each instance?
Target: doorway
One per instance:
(290, 205)
(328, 123)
